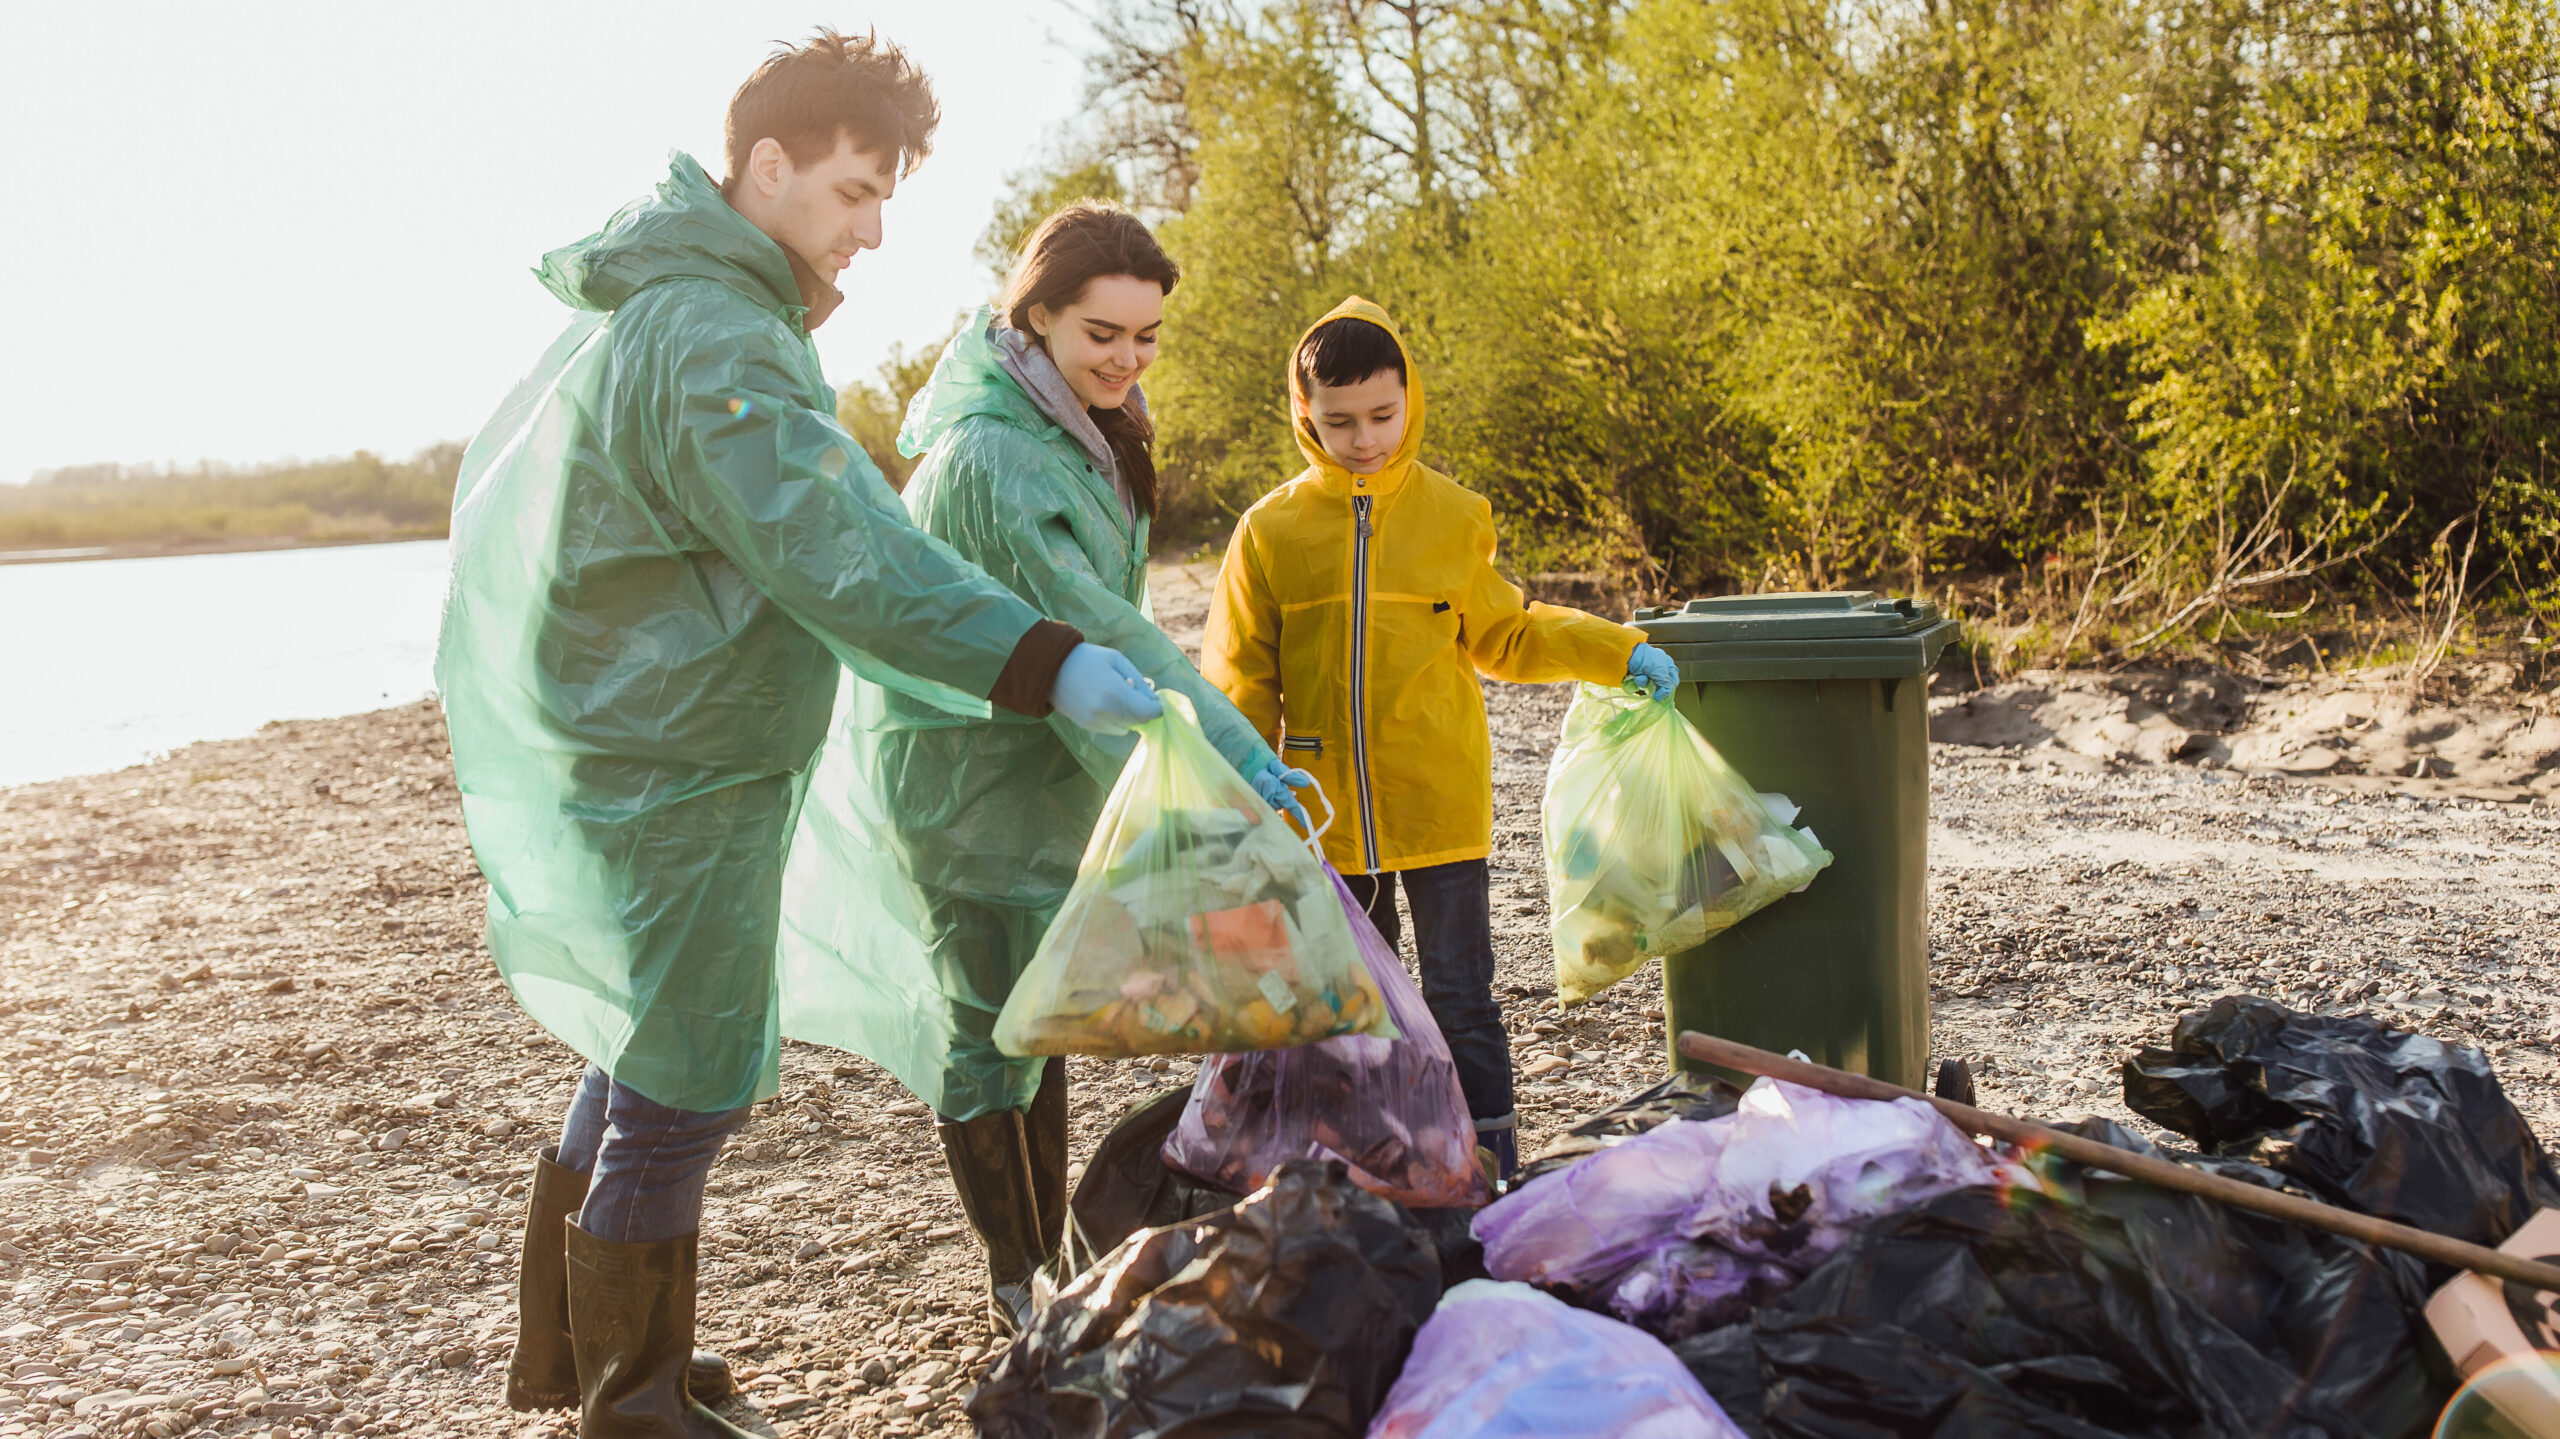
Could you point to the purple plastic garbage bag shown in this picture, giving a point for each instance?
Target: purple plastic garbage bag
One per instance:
(1581, 1224)
(1389, 1109)
(1498, 1360)
(1686, 1226)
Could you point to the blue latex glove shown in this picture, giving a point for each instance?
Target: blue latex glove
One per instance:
(1651, 672)
(1098, 689)
(1274, 784)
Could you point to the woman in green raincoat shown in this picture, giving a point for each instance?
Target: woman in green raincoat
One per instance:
(1037, 468)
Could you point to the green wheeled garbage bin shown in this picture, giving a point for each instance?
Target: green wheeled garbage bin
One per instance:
(1822, 698)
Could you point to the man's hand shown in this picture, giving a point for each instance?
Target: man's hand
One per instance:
(1652, 673)
(1098, 689)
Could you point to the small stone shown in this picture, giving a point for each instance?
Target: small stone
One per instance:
(392, 1141)
(455, 1357)
(281, 986)
(498, 1128)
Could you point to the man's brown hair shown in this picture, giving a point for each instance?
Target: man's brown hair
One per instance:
(857, 85)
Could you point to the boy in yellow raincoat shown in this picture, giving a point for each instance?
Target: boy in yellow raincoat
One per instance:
(1356, 606)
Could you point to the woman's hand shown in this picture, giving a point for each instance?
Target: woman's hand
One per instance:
(1274, 784)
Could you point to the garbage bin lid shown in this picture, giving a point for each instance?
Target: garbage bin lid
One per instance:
(1836, 615)
(1846, 634)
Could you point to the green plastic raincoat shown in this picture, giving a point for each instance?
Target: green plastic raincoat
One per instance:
(663, 545)
(962, 835)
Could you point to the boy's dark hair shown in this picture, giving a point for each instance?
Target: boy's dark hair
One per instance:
(1345, 352)
(1083, 242)
(858, 85)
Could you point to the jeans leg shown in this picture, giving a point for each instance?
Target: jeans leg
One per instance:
(582, 1131)
(1453, 936)
(1377, 896)
(651, 1168)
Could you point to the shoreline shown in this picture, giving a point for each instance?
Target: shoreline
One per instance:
(166, 549)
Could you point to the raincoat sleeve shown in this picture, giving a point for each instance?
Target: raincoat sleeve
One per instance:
(1241, 651)
(1512, 638)
(1052, 568)
(796, 505)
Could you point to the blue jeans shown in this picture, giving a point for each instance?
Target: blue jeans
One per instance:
(1452, 908)
(646, 1164)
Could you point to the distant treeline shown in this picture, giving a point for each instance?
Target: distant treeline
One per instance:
(2173, 315)
(357, 497)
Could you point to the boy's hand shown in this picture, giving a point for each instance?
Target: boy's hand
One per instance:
(1098, 689)
(1652, 673)
(1274, 784)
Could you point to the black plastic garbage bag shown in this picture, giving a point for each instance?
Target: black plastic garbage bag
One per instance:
(1128, 1187)
(1289, 1314)
(2381, 1120)
(1992, 1312)
(1682, 1096)
(2344, 1316)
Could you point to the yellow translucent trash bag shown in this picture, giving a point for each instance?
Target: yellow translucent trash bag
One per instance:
(1654, 844)
(1199, 923)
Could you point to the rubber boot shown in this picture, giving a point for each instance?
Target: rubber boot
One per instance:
(631, 1312)
(543, 1373)
(1045, 1130)
(990, 1160)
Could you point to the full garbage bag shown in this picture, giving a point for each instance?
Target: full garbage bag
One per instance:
(2344, 1316)
(2381, 1120)
(1287, 1314)
(1501, 1360)
(1391, 1109)
(1686, 1226)
(1198, 923)
(1992, 1311)
(1653, 843)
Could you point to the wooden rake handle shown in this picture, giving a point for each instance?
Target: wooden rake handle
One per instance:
(2164, 1173)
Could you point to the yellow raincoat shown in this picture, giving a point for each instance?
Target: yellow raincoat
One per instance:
(1352, 615)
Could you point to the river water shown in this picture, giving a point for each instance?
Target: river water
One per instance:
(107, 663)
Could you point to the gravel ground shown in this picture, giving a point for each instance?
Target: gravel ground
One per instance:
(270, 1113)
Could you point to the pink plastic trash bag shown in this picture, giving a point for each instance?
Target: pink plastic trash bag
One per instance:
(1499, 1360)
(1684, 1227)
(1390, 1109)
(1583, 1224)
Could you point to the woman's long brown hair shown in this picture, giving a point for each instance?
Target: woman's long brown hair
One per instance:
(1082, 243)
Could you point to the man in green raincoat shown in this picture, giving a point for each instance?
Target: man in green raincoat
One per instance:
(664, 549)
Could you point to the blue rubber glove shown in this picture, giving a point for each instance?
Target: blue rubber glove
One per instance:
(1651, 672)
(1098, 689)
(1274, 784)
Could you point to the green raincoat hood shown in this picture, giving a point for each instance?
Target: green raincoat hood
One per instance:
(968, 380)
(687, 230)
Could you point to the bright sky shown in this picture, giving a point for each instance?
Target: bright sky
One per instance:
(267, 228)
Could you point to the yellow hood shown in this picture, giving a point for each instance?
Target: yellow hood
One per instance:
(1391, 475)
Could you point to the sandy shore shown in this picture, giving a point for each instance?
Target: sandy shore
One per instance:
(269, 1111)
